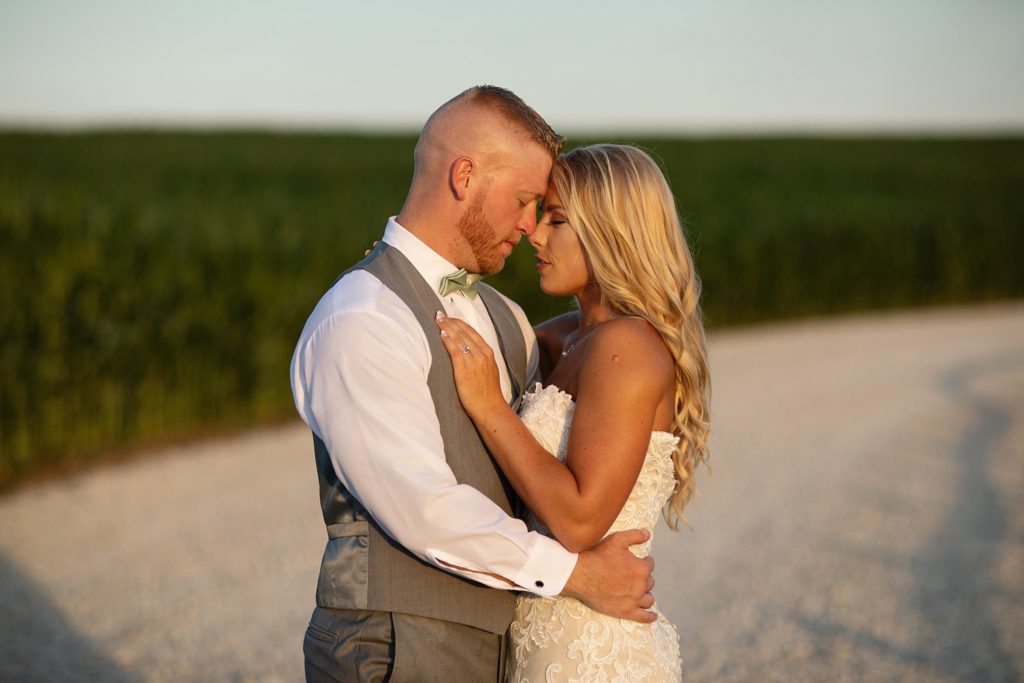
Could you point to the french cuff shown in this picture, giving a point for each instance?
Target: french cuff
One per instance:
(548, 566)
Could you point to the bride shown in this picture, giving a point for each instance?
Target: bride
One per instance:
(624, 408)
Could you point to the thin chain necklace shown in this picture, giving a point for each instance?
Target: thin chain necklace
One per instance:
(568, 349)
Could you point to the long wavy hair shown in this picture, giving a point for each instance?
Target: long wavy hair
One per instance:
(620, 205)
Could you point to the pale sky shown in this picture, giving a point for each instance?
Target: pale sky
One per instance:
(628, 65)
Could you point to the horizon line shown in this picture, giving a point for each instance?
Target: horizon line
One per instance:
(158, 125)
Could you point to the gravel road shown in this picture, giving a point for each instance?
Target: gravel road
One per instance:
(864, 522)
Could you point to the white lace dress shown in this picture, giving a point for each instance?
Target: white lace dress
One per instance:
(564, 640)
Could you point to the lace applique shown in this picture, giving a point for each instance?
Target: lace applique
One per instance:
(564, 640)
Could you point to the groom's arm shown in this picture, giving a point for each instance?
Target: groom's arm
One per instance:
(359, 378)
(610, 579)
(359, 381)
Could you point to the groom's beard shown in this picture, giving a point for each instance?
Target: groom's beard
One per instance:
(480, 236)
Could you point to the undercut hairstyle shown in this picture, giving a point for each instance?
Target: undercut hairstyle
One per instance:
(512, 107)
(622, 209)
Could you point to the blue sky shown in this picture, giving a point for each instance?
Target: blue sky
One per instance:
(641, 65)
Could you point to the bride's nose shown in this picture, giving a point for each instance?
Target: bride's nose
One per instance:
(540, 234)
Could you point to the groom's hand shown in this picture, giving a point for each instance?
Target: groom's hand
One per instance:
(610, 579)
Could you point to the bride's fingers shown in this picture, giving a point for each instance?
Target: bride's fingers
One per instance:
(467, 339)
(455, 340)
(453, 344)
(463, 328)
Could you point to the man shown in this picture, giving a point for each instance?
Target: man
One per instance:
(419, 519)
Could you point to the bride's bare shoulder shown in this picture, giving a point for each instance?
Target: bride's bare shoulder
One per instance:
(633, 344)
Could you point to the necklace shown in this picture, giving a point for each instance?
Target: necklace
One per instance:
(568, 349)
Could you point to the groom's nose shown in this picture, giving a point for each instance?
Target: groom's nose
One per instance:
(528, 220)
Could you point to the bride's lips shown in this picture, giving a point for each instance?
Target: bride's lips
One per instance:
(541, 263)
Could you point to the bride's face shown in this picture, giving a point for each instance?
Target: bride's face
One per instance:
(560, 260)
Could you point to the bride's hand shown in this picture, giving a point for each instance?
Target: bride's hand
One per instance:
(476, 373)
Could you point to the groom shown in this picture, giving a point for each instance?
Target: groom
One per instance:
(423, 550)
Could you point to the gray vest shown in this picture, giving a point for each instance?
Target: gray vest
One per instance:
(362, 567)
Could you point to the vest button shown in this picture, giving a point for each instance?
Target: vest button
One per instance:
(538, 584)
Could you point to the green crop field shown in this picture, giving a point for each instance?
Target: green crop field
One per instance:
(152, 285)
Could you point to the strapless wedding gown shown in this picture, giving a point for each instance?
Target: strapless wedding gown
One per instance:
(562, 639)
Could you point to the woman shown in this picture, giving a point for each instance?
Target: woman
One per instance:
(624, 408)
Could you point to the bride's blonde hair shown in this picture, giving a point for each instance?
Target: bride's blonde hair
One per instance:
(619, 203)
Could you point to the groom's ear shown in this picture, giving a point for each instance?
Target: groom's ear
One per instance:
(459, 176)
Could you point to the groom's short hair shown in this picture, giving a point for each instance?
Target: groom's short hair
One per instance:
(512, 107)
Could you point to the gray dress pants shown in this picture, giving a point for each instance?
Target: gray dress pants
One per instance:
(356, 646)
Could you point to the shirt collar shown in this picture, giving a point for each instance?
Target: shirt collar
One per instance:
(431, 265)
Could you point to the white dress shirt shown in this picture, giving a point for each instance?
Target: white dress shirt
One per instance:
(359, 379)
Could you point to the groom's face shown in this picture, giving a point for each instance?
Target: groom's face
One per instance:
(505, 206)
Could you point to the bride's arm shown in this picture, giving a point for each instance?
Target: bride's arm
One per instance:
(622, 381)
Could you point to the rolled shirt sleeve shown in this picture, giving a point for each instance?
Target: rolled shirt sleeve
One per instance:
(359, 377)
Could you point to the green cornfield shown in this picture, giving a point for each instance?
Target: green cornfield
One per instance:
(153, 284)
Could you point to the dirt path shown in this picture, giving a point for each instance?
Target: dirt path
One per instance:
(865, 521)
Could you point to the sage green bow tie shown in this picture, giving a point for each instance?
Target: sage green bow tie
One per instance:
(461, 281)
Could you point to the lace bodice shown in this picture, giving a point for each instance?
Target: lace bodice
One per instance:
(547, 413)
(563, 639)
